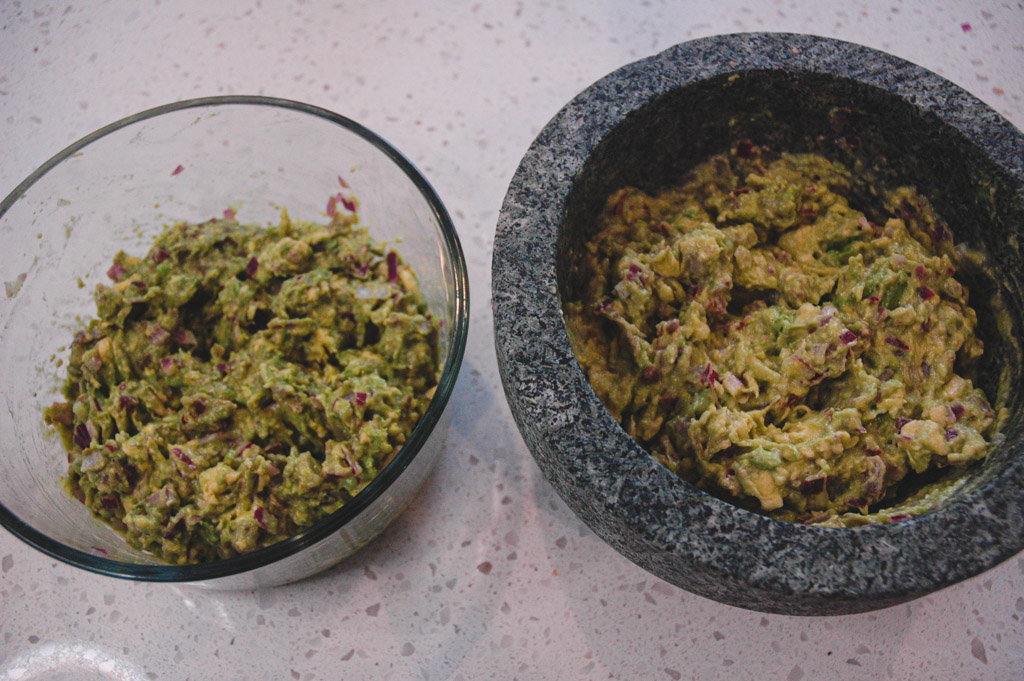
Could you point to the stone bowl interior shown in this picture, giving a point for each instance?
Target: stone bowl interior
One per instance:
(646, 125)
(882, 137)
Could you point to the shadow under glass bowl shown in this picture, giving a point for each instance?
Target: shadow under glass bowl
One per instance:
(646, 125)
(115, 189)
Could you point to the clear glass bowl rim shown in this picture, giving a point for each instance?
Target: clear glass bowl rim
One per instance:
(347, 513)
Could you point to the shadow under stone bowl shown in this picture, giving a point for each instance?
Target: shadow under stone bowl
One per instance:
(647, 124)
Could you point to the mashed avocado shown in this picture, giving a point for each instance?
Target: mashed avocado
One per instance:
(768, 342)
(240, 383)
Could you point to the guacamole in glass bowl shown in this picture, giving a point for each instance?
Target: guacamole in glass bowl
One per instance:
(241, 383)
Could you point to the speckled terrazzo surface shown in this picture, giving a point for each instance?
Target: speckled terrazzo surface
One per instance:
(489, 574)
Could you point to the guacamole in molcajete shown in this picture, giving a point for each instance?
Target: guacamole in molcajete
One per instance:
(768, 342)
(241, 383)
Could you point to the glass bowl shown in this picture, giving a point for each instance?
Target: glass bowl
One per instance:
(116, 189)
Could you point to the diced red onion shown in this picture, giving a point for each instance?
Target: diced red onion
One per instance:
(109, 502)
(332, 204)
(848, 337)
(252, 267)
(896, 343)
(899, 422)
(215, 436)
(178, 169)
(360, 399)
(81, 436)
(115, 272)
(650, 375)
(353, 464)
(952, 433)
(183, 457)
(958, 410)
(392, 266)
(708, 375)
(259, 517)
(925, 293)
(158, 335)
(342, 182)
(941, 233)
(814, 484)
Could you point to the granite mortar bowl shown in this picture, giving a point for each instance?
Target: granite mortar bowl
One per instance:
(647, 124)
(193, 160)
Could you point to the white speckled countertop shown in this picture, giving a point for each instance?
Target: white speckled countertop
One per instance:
(488, 575)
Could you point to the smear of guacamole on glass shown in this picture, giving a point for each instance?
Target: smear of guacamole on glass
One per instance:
(768, 342)
(241, 383)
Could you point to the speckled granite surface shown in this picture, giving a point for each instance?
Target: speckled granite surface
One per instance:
(645, 125)
(488, 574)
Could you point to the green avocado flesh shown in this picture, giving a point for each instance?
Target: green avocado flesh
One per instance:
(767, 342)
(241, 383)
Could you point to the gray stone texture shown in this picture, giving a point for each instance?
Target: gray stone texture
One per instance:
(645, 125)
